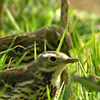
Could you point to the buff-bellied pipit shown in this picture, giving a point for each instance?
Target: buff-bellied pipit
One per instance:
(50, 35)
(28, 82)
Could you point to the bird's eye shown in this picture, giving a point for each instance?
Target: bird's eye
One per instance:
(52, 59)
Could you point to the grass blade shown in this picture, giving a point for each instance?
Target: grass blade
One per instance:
(35, 53)
(48, 93)
(61, 41)
(20, 60)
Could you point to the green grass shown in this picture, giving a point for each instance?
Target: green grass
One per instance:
(84, 30)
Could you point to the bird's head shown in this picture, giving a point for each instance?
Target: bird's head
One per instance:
(54, 61)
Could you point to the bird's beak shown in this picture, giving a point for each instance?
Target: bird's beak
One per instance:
(71, 60)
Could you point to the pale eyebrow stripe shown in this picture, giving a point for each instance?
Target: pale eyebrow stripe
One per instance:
(47, 54)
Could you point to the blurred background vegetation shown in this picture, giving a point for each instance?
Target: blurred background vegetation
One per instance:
(19, 16)
(29, 15)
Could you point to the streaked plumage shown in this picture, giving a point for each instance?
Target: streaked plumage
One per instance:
(26, 82)
(51, 34)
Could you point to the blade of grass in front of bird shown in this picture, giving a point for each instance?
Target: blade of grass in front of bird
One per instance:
(2, 61)
(62, 39)
(20, 60)
(6, 51)
(10, 47)
(45, 46)
(8, 65)
(48, 93)
(35, 53)
(4, 57)
(12, 43)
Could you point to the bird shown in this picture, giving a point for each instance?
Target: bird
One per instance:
(50, 34)
(30, 82)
